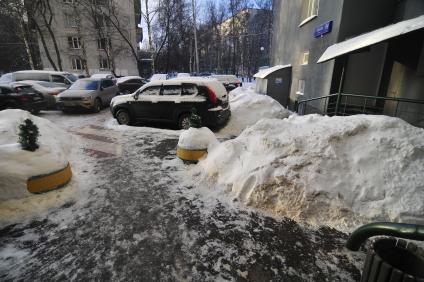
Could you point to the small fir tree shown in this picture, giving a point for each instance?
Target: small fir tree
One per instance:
(195, 119)
(28, 135)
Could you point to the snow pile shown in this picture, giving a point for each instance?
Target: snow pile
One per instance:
(17, 165)
(197, 139)
(325, 170)
(248, 107)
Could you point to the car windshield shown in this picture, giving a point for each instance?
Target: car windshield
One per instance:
(85, 85)
(70, 77)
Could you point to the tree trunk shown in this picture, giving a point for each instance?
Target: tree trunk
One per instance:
(45, 47)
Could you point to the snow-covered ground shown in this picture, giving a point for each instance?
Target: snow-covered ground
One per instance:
(338, 171)
(16, 164)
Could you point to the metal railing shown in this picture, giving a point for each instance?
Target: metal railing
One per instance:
(343, 104)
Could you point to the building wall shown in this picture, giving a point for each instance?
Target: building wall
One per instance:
(124, 61)
(290, 41)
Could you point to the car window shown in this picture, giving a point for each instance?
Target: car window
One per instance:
(171, 90)
(85, 85)
(137, 81)
(107, 83)
(153, 90)
(189, 89)
(5, 90)
(58, 79)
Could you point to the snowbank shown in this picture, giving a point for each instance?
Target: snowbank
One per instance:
(248, 107)
(197, 138)
(17, 165)
(325, 170)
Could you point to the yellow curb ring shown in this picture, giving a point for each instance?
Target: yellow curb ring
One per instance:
(190, 155)
(51, 181)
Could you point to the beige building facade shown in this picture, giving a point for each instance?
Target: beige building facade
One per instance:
(92, 36)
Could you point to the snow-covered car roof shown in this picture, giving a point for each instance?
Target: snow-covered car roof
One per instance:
(102, 75)
(126, 78)
(159, 76)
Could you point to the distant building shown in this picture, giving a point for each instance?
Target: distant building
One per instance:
(391, 68)
(244, 41)
(87, 41)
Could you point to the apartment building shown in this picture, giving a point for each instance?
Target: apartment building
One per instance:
(89, 36)
(358, 47)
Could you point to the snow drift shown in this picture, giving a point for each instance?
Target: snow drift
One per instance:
(197, 138)
(17, 165)
(338, 171)
(248, 107)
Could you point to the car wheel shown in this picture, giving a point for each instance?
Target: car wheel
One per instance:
(184, 121)
(97, 107)
(123, 117)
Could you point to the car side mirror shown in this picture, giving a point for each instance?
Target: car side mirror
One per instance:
(136, 96)
(101, 88)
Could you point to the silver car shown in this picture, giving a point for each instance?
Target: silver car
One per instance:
(88, 93)
(49, 90)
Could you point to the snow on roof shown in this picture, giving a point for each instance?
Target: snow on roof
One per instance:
(126, 78)
(371, 38)
(265, 72)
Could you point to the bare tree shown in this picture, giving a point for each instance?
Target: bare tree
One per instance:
(42, 19)
(149, 15)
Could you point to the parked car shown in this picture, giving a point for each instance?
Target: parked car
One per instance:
(230, 82)
(48, 89)
(159, 76)
(88, 93)
(129, 84)
(65, 79)
(172, 101)
(21, 96)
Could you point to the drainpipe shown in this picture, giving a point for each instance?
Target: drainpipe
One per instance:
(401, 230)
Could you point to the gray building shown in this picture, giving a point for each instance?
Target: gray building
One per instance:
(391, 67)
(89, 36)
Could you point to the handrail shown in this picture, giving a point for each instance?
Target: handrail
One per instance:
(366, 97)
(400, 230)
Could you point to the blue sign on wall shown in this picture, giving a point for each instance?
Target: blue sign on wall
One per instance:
(323, 29)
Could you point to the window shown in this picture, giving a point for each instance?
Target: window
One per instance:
(78, 64)
(102, 43)
(301, 87)
(107, 83)
(309, 10)
(74, 42)
(103, 62)
(171, 90)
(134, 81)
(189, 89)
(71, 21)
(153, 90)
(5, 90)
(58, 79)
(305, 58)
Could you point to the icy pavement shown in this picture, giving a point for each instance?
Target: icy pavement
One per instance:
(130, 219)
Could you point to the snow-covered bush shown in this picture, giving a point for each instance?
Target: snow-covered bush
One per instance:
(17, 165)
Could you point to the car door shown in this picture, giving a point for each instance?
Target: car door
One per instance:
(142, 108)
(168, 102)
(191, 97)
(106, 90)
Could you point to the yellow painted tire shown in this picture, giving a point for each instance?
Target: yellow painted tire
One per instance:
(190, 155)
(51, 181)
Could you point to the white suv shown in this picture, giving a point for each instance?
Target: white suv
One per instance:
(172, 101)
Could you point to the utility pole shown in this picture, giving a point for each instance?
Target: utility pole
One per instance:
(196, 54)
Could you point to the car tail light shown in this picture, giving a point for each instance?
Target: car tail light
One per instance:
(211, 95)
